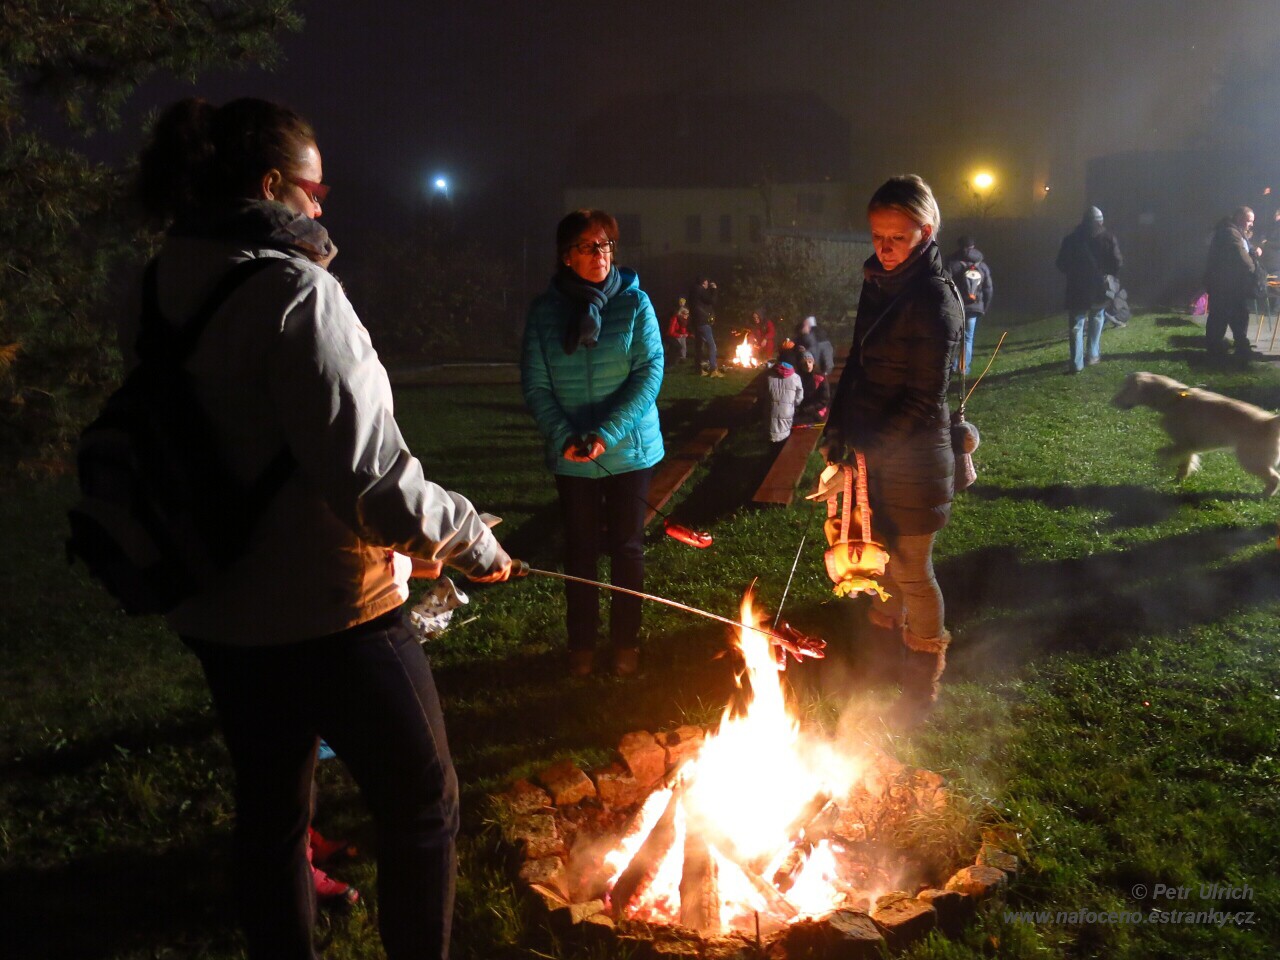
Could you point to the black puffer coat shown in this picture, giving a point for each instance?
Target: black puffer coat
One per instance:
(1230, 273)
(892, 399)
(1088, 254)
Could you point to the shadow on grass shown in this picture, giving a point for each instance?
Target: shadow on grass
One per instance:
(104, 905)
(1130, 505)
(1175, 321)
(503, 713)
(1102, 602)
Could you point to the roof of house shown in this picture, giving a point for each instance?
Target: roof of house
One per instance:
(710, 140)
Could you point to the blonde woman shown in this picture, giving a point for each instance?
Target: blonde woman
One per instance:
(891, 405)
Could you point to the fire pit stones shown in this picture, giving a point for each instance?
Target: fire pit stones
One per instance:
(544, 822)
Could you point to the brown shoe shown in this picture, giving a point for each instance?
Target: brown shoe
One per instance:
(626, 660)
(581, 662)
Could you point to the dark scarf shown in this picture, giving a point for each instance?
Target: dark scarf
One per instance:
(591, 298)
(260, 223)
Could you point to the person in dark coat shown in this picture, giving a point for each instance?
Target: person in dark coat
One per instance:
(702, 314)
(812, 338)
(817, 392)
(972, 276)
(1231, 276)
(891, 405)
(1088, 255)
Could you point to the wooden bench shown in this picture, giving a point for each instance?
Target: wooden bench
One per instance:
(676, 468)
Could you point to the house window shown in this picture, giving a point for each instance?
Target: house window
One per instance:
(629, 229)
(693, 228)
(753, 229)
(726, 228)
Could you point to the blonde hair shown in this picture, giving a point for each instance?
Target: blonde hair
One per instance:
(911, 196)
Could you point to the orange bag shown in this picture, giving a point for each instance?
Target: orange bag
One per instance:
(853, 565)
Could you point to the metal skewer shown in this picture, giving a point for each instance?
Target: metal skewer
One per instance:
(519, 569)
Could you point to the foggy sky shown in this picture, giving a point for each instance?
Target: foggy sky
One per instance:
(489, 92)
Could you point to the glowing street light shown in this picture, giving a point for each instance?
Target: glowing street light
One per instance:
(983, 181)
(441, 186)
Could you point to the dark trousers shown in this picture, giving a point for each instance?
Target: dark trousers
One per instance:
(1227, 313)
(705, 346)
(369, 693)
(616, 505)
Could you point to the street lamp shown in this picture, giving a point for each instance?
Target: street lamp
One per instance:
(983, 181)
(441, 186)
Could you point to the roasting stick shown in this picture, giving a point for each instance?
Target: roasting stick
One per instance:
(519, 569)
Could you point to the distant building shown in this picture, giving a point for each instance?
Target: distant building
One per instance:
(696, 181)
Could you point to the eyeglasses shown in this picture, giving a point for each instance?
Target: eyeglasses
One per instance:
(318, 192)
(589, 249)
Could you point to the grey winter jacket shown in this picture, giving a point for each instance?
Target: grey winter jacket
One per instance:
(286, 363)
(785, 394)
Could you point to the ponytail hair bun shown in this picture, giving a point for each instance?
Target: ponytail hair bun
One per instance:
(202, 156)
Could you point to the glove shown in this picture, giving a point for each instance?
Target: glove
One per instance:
(498, 570)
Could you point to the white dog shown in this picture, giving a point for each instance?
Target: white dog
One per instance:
(1198, 421)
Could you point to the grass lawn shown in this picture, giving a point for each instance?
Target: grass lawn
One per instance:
(1112, 691)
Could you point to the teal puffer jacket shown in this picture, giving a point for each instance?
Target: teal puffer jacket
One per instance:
(610, 389)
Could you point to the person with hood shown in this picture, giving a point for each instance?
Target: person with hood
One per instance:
(304, 635)
(817, 393)
(591, 367)
(785, 394)
(702, 312)
(1232, 278)
(678, 331)
(1088, 255)
(891, 405)
(763, 334)
(812, 338)
(972, 277)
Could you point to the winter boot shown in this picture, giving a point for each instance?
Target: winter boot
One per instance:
(926, 658)
(878, 655)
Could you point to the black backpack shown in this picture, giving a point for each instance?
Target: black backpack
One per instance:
(159, 513)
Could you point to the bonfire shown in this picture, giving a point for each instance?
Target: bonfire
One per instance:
(744, 354)
(760, 827)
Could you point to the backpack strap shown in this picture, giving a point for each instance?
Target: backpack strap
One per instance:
(159, 340)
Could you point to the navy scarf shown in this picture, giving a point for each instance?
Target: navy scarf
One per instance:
(584, 329)
(263, 222)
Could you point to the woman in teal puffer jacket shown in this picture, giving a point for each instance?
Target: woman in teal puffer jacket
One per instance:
(591, 368)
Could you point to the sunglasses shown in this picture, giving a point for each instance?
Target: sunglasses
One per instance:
(318, 192)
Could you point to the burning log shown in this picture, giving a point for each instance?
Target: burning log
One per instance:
(699, 887)
(776, 902)
(820, 809)
(643, 867)
(784, 877)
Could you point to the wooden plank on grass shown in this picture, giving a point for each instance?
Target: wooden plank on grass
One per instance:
(779, 486)
(675, 470)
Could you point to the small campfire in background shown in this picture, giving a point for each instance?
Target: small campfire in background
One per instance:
(757, 831)
(744, 354)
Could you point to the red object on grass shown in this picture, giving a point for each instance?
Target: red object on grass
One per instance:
(678, 531)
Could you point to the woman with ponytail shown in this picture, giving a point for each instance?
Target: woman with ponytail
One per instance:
(303, 636)
(591, 369)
